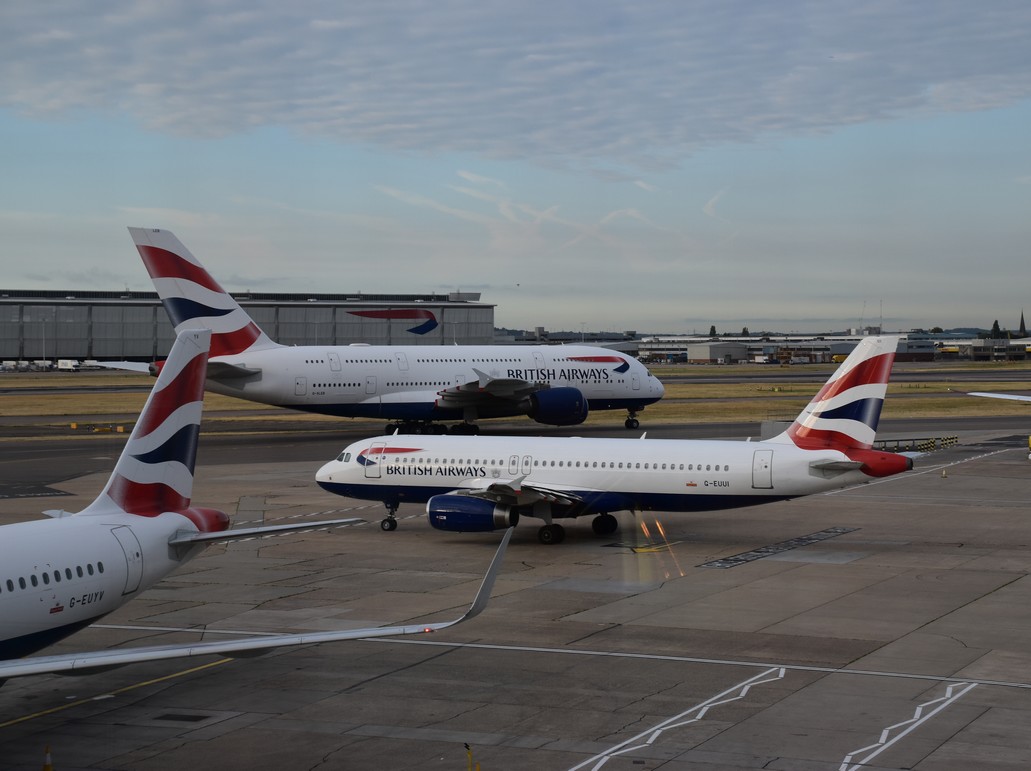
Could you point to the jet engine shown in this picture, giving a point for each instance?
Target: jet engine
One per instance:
(558, 406)
(465, 514)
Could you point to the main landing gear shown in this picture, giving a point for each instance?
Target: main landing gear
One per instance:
(631, 421)
(551, 534)
(465, 429)
(603, 524)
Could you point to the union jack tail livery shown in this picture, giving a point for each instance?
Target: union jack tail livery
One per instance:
(192, 298)
(844, 414)
(155, 471)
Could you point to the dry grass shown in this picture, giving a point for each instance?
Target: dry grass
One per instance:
(753, 400)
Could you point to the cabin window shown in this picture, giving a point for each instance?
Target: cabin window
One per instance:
(34, 580)
(57, 576)
(21, 582)
(100, 566)
(46, 579)
(78, 570)
(89, 568)
(10, 585)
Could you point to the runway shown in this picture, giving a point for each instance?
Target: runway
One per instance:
(882, 627)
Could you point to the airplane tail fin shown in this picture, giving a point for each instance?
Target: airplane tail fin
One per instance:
(154, 473)
(192, 298)
(845, 413)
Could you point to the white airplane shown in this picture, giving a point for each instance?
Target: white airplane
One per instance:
(479, 483)
(62, 574)
(412, 385)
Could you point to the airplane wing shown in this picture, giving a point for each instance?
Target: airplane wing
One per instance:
(92, 661)
(1011, 397)
(189, 536)
(517, 492)
(484, 389)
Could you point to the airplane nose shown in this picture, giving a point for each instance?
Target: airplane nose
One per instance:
(325, 474)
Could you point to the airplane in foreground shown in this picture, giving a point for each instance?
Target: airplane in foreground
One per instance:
(412, 385)
(60, 575)
(477, 484)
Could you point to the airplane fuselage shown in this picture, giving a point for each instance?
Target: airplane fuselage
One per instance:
(603, 475)
(405, 382)
(59, 575)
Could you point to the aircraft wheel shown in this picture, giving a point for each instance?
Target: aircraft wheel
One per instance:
(632, 423)
(551, 534)
(388, 524)
(605, 524)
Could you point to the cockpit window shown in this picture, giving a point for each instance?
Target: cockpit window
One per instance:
(344, 457)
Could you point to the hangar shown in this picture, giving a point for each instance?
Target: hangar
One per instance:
(47, 325)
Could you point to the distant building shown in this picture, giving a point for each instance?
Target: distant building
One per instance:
(49, 325)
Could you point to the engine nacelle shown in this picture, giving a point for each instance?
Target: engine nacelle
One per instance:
(877, 463)
(465, 514)
(559, 406)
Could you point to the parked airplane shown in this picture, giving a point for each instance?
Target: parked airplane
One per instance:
(412, 385)
(62, 574)
(474, 484)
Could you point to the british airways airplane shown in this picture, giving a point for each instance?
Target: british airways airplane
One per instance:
(476, 484)
(413, 385)
(60, 575)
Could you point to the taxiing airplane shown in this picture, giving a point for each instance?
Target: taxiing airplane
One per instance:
(475, 484)
(60, 575)
(412, 385)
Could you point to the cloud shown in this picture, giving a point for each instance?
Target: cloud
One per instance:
(710, 206)
(616, 86)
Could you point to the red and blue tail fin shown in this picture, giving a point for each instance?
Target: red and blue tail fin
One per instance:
(154, 473)
(845, 413)
(192, 298)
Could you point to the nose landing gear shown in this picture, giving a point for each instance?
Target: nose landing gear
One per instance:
(390, 522)
(631, 421)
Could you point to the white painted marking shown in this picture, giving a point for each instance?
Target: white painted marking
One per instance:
(686, 717)
(695, 660)
(952, 695)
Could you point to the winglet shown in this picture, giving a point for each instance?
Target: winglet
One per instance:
(487, 585)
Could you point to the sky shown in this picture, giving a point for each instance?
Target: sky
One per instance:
(655, 166)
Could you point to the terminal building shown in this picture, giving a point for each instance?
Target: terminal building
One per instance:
(48, 326)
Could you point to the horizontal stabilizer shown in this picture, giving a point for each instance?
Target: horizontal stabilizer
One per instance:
(220, 370)
(128, 366)
(836, 465)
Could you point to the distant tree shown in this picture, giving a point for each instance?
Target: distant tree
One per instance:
(937, 330)
(713, 333)
(996, 332)
(744, 331)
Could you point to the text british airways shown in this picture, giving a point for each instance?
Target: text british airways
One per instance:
(437, 471)
(582, 375)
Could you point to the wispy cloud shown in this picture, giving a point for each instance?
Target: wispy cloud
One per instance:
(640, 85)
